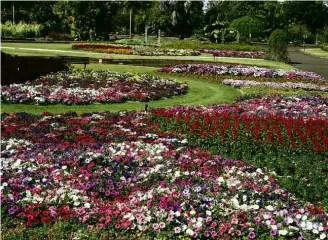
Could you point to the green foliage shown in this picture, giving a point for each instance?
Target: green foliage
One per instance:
(20, 30)
(325, 48)
(215, 31)
(130, 41)
(247, 25)
(324, 34)
(296, 32)
(188, 44)
(278, 46)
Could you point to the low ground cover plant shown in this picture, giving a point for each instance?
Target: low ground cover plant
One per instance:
(255, 73)
(87, 87)
(121, 174)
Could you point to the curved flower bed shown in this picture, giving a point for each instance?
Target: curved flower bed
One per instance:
(135, 50)
(104, 48)
(86, 87)
(144, 51)
(232, 53)
(288, 85)
(246, 71)
(122, 174)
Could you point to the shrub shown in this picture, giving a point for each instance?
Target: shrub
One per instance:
(278, 46)
(20, 30)
(325, 48)
(60, 36)
(247, 25)
(197, 45)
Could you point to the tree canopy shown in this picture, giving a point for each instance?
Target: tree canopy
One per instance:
(93, 20)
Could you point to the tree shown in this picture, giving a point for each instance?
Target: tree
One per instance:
(185, 16)
(248, 25)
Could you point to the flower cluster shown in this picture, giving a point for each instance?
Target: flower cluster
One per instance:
(147, 51)
(291, 122)
(245, 71)
(288, 85)
(232, 53)
(121, 172)
(104, 48)
(136, 50)
(86, 87)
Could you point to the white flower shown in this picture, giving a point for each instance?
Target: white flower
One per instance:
(290, 220)
(87, 205)
(323, 236)
(193, 212)
(177, 214)
(283, 232)
(198, 224)
(64, 167)
(190, 232)
(269, 208)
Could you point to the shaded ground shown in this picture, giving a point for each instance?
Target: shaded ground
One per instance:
(308, 63)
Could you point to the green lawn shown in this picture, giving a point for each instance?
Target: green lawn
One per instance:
(316, 52)
(67, 47)
(200, 92)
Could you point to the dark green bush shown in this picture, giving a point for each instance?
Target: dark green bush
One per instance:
(278, 46)
(247, 25)
(325, 48)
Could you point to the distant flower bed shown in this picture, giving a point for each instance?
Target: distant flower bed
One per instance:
(288, 85)
(135, 50)
(103, 48)
(232, 53)
(148, 51)
(246, 71)
(79, 87)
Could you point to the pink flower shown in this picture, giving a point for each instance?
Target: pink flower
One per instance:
(177, 230)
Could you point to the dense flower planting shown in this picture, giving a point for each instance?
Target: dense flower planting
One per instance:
(136, 50)
(287, 85)
(103, 48)
(232, 53)
(290, 122)
(121, 173)
(86, 87)
(147, 51)
(285, 134)
(247, 71)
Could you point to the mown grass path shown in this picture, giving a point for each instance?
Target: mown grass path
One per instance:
(201, 92)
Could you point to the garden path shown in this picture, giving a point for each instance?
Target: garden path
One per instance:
(308, 63)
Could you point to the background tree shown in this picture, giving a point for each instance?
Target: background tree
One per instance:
(248, 25)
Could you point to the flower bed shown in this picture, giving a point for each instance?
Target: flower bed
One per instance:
(280, 133)
(148, 51)
(287, 85)
(136, 50)
(245, 71)
(86, 87)
(231, 53)
(103, 48)
(122, 174)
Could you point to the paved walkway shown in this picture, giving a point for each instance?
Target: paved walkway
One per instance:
(308, 63)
